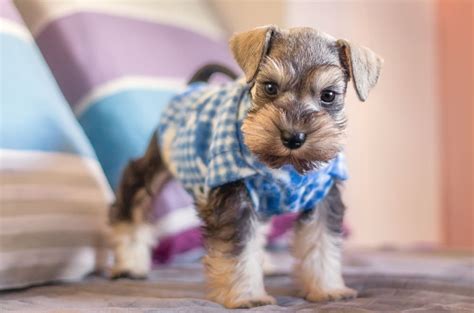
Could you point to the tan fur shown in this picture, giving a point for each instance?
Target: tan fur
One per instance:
(262, 130)
(318, 269)
(365, 67)
(132, 244)
(250, 47)
(237, 281)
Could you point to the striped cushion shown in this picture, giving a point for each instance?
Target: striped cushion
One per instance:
(53, 194)
(118, 64)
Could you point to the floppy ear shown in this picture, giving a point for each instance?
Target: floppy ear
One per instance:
(250, 47)
(363, 65)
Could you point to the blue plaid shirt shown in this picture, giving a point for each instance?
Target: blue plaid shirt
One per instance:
(199, 134)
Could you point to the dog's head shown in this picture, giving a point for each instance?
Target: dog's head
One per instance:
(298, 81)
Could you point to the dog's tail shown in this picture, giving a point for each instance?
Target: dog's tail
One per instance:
(205, 73)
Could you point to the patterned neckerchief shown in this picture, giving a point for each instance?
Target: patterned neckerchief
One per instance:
(199, 134)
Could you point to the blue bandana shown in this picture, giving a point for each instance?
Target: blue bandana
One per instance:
(199, 134)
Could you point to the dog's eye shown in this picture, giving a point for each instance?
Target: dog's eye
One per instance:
(271, 88)
(328, 96)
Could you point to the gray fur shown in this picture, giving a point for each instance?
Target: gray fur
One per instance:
(227, 215)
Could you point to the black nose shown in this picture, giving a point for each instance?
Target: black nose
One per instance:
(292, 140)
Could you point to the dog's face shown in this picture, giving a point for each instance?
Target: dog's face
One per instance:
(299, 79)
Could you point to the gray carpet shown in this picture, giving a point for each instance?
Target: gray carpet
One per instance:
(387, 281)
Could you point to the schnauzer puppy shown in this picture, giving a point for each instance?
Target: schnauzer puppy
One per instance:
(262, 145)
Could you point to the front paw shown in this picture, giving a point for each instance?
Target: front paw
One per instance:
(319, 295)
(131, 265)
(132, 251)
(250, 302)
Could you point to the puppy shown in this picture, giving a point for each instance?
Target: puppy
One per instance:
(262, 145)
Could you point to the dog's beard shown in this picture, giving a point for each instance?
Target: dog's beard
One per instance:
(262, 134)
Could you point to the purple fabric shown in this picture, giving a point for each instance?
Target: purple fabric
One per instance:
(87, 49)
(172, 245)
(172, 197)
(281, 224)
(8, 11)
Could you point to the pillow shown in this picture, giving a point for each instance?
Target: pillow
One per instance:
(118, 66)
(53, 194)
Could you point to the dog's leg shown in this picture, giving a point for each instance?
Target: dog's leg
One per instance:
(234, 243)
(132, 231)
(317, 250)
